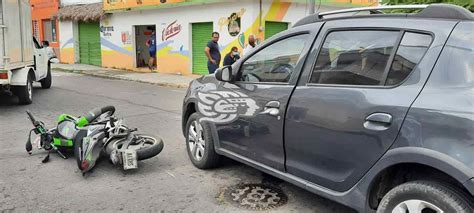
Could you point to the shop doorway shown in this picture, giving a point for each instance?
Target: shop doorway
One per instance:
(142, 35)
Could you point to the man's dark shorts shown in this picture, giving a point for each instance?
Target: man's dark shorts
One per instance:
(152, 53)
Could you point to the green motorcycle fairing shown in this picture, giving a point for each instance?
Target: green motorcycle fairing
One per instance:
(64, 138)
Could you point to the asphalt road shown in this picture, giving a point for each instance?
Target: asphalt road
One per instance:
(168, 182)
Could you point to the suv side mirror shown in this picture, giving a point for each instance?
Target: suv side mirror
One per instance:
(224, 74)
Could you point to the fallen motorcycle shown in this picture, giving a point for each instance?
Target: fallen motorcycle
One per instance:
(118, 142)
(97, 134)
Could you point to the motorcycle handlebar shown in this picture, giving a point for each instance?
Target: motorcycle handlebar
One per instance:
(32, 118)
(95, 113)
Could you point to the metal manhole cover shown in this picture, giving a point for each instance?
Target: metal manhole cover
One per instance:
(255, 196)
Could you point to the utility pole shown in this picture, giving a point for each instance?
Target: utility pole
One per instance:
(311, 6)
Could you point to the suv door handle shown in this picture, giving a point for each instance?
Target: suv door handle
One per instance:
(378, 121)
(272, 108)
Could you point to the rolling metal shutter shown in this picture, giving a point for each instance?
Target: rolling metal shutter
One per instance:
(272, 28)
(89, 43)
(201, 35)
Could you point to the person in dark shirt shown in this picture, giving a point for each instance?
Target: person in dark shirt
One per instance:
(151, 44)
(231, 57)
(213, 53)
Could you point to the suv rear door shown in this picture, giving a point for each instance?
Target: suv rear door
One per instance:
(351, 102)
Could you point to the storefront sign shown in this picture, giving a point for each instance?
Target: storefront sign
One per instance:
(232, 22)
(106, 31)
(171, 30)
(126, 38)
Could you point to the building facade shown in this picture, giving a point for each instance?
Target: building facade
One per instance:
(79, 23)
(183, 29)
(45, 25)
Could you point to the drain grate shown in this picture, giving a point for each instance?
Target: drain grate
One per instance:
(255, 196)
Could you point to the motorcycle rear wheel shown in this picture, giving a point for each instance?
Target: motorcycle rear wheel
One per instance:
(146, 146)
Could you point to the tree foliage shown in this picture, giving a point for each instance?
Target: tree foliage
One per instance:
(468, 4)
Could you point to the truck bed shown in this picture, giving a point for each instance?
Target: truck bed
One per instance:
(16, 37)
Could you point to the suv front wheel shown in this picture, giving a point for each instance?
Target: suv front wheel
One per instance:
(421, 197)
(200, 144)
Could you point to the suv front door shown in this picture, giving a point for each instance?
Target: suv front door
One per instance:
(352, 100)
(265, 81)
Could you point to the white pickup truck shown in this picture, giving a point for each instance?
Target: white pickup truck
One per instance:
(22, 59)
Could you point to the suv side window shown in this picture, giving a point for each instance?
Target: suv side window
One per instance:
(412, 48)
(360, 57)
(455, 66)
(356, 57)
(274, 63)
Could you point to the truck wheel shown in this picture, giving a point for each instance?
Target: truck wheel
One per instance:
(46, 82)
(423, 196)
(200, 144)
(25, 93)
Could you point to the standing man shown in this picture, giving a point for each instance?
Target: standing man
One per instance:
(213, 54)
(49, 50)
(252, 43)
(151, 44)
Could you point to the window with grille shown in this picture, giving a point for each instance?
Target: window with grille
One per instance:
(35, 29)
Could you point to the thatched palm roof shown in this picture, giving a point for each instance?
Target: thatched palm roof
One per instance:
(83, 12)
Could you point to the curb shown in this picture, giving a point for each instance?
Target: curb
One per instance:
(163, 84)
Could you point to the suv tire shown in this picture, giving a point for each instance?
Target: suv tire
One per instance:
(430, 195)
(204, 157)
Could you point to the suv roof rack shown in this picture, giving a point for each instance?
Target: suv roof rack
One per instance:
(442, 11)
(379, 8)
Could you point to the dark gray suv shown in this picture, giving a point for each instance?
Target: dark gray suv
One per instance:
(373, 111)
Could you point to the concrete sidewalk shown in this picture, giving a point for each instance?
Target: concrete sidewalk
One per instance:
(168, 80)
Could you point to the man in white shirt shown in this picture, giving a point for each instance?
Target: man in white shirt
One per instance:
(49, 50)
(250, 45)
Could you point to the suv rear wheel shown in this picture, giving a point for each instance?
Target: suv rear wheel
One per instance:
(200, 144)
(423, 197)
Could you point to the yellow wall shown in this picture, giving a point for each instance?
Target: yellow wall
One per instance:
(67, 55)
(124, 4)
(113, 59)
